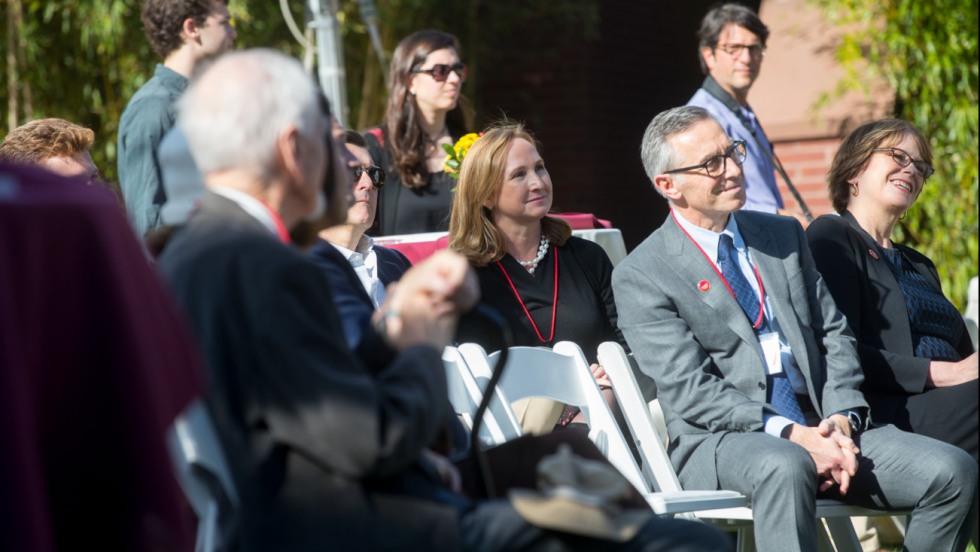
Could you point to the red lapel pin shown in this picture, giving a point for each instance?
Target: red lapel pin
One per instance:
(704, 285)
(873, 254)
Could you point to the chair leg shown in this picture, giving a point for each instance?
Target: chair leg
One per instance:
(900, 523)
(746, 539)
(207, 529)
(824, 542)
(843, 535)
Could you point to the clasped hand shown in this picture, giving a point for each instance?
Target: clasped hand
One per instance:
(832, 449)
(424, 306)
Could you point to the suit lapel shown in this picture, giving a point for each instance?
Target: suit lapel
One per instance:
(764, 254)
(768, 257)
(685, 258)
(882, 270)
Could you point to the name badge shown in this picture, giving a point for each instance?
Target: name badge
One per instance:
(771, 352)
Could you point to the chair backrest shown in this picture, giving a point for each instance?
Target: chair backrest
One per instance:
(463, 401)
(500, 421)
(563, 374)
(970, 315)
(649, 438)
(204, 475)
(465, 395)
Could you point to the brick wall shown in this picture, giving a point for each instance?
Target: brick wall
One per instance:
(590, 106)
(807, 162)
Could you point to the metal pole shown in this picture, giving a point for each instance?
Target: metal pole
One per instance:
(329, 54)
(370, 16)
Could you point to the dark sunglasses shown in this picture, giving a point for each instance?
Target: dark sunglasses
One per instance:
(376, 174)
(441, 71)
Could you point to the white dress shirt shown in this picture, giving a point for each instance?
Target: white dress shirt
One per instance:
(365, 263)
(708, 241)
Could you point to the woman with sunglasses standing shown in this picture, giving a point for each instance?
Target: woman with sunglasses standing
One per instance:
(424, 113)
(920, 367)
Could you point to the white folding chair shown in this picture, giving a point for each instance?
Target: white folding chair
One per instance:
(499, 411)
(203, 473)
(650, 440)
(563, 374)
(465, 395)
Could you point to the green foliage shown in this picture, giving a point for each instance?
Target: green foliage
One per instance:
(82, 62)
(84, 59)
(927, 52)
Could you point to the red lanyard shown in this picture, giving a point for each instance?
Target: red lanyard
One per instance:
(281, 229)
(554, 300)
(758, 278)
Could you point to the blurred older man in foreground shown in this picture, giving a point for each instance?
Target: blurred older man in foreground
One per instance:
(324, 454)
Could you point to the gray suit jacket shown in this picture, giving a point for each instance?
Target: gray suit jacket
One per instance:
(701, 350)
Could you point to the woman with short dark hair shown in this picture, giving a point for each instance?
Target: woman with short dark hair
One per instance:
(920, 367)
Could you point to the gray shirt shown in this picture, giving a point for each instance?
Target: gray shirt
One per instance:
(147, 118)
(761, 190)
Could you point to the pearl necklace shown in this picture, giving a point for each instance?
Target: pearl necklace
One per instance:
(542, 251)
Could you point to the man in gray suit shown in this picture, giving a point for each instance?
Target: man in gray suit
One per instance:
(756, 370)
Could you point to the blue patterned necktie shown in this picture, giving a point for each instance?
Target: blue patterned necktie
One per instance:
(782, 396)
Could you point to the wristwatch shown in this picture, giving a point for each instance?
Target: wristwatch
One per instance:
(854, 419)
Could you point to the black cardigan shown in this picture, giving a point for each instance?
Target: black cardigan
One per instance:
(866, 291)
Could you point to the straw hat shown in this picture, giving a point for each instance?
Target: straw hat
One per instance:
(580, 496)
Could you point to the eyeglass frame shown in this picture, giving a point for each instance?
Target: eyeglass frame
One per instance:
(732, 148)
(739, 48)
(359, 171)
(459, 68)
(924, 173)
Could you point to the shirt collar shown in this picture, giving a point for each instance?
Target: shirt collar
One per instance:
(708, 240)
(173, 78)
(364, 246)
(257, 209)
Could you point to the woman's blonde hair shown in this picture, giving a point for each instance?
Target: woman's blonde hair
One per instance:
(472, 231)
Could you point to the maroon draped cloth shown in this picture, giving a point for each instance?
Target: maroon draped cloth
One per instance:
(95, 364)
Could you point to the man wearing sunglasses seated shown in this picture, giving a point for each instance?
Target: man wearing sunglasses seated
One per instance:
(360, 291)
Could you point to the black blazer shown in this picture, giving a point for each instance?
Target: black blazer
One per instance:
(865, 289)
(318, 446)
(353, 303)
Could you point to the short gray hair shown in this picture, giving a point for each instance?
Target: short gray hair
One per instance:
(656, 151)
(233, 113)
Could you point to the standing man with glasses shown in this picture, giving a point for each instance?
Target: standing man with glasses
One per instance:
(732, 45)
(756, 369)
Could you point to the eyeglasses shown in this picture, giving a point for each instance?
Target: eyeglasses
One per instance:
(903, 159)
(736, 50)
(716, 165)
(376, 174)
(441, 71)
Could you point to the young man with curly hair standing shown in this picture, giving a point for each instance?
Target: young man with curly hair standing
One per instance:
(182, 32)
